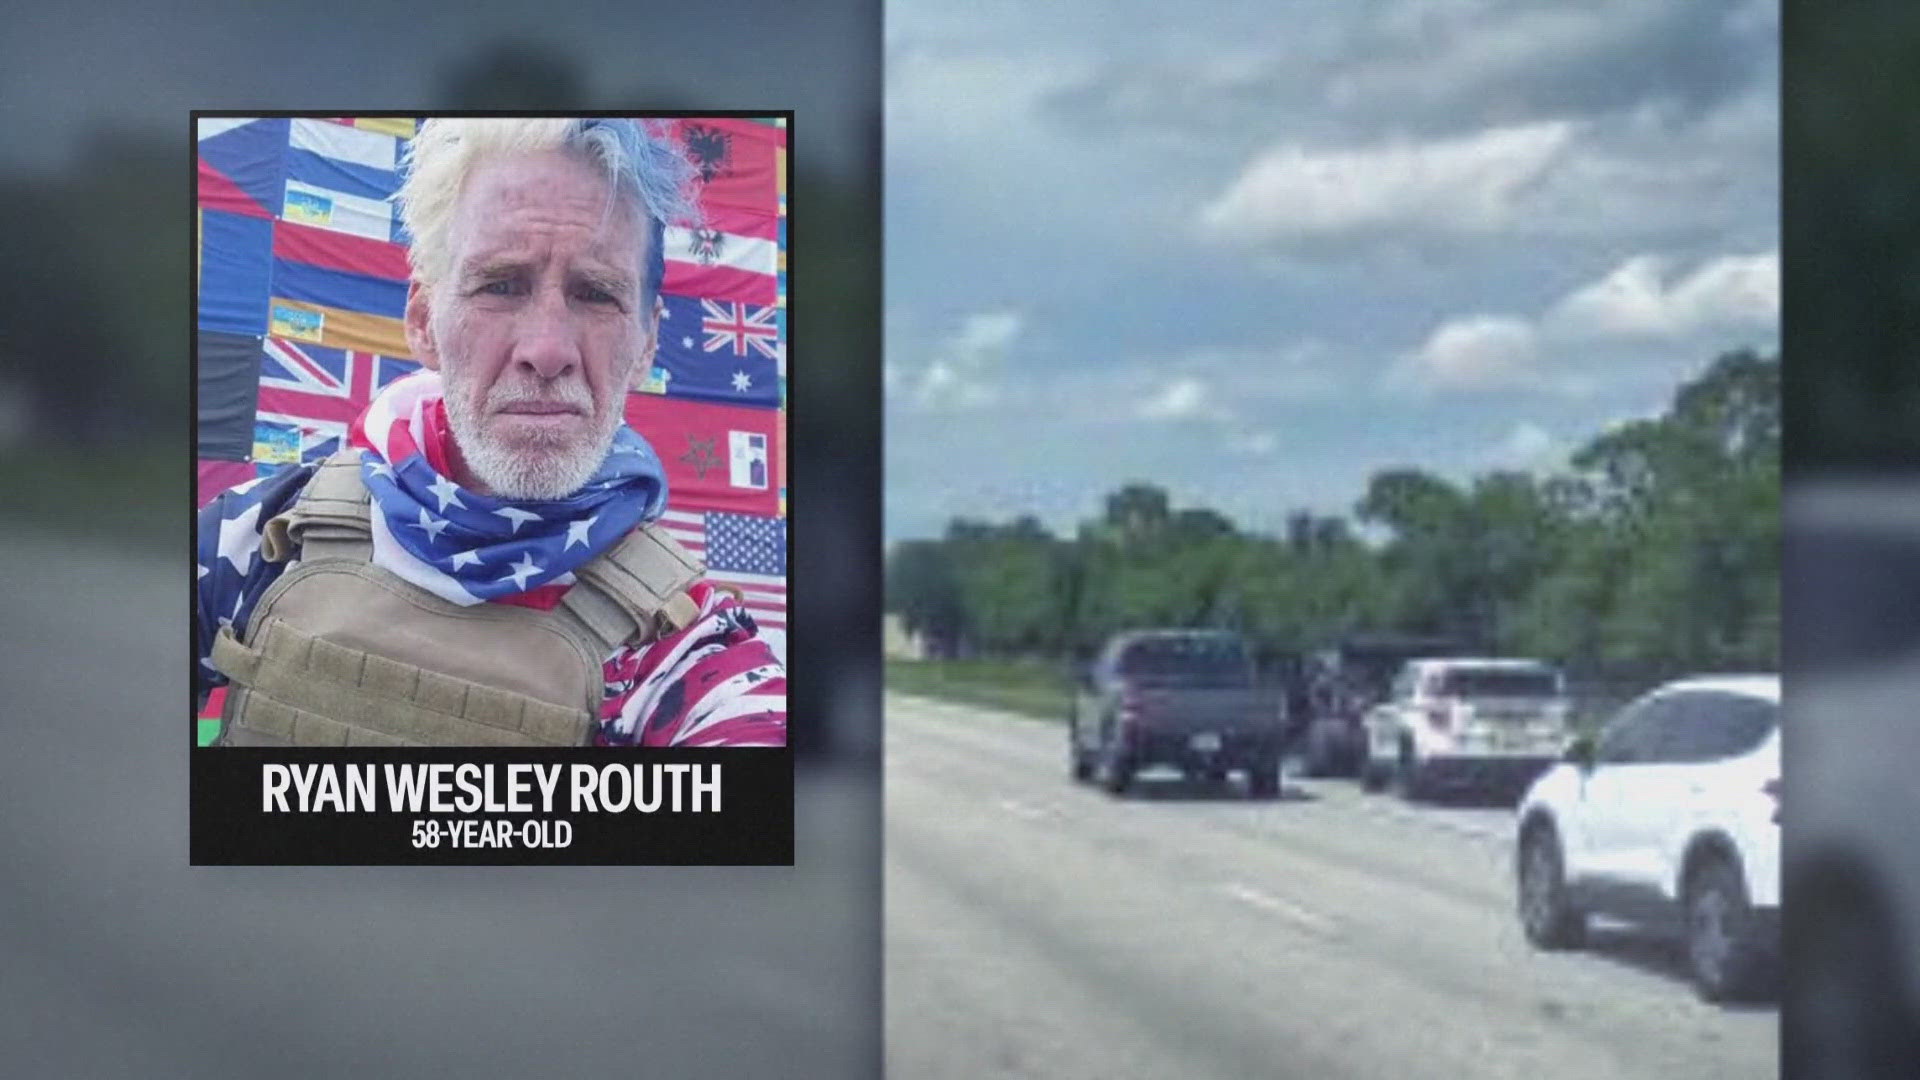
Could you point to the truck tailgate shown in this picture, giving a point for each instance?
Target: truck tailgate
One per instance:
(1179, 711)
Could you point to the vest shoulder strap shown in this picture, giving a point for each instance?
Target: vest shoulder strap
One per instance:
(329, 520)
(637, 590)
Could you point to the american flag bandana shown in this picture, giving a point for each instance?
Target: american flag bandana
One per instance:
(468, 548)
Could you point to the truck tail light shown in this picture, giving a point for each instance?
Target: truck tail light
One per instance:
(1127, 715)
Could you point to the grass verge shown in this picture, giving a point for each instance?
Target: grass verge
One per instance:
(1031, 688)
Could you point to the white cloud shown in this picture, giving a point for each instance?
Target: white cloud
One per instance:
(1223, 386)
(966, 368)
(1473, 352)
(1185, 398)
(1292, 373)
(1485, 157)
(1470, 183)
(1640, 299)
(987, 332)
(1255, 444)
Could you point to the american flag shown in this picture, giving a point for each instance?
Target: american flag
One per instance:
(746, 551)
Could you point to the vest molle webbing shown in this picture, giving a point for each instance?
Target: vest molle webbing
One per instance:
(340, 652)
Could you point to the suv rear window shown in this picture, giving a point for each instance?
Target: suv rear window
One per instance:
(1496, 682)
(1189, 661)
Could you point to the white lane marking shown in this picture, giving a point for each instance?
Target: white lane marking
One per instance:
(1311, 920)
(1472, 830)
(1495, 825)
(1022, 810)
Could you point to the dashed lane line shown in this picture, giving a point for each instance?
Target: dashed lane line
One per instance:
(1022, 810)
(1304, 917)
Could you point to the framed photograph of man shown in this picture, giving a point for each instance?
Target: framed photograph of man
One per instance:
(490, 432)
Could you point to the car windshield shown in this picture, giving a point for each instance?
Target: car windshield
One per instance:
(1499, 682)
(1188, 661)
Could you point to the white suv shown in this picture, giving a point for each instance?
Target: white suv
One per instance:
(1479, 723)
(1671, 819)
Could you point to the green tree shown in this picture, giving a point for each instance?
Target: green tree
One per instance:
(1691, 502)
(922, 588)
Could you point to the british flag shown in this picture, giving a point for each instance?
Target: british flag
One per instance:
(320, 390)
(730, 324)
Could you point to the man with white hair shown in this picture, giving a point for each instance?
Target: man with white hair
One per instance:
(481, 564)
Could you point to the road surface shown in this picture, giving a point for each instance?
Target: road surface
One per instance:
(119, 959)
(1041, 928)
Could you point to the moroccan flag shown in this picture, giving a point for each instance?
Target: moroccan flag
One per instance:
(718, 457)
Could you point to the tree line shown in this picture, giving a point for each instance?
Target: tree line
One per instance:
(1657, 545)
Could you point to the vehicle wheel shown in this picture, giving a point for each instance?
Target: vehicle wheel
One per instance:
(1406, 775)
(1345, 761)
(1263, 778)
(1373, 776)
(1116, 774)
(1547, 914)
(1212, 774)
(1358, 754)
(1723, 955)
(1318, 759)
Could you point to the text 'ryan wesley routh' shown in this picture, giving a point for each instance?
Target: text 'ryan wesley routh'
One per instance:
(470, 788)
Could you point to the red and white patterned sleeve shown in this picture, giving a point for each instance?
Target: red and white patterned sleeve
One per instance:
(715, 683)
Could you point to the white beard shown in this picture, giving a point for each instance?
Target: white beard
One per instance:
(552, 468)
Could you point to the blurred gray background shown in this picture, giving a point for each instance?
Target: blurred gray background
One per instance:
(119, 958)
(1851, 588)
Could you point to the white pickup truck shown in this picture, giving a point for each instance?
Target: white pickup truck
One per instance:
(1467, 723)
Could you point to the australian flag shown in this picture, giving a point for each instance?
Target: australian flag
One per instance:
(722, 351)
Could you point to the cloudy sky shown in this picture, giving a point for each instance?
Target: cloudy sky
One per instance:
(1255, 251)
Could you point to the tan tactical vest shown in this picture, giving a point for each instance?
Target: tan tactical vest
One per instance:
(340, 652)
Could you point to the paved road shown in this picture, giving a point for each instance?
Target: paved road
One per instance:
(1038, 928)
(119, 959)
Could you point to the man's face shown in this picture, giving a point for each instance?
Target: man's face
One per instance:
(538, 331)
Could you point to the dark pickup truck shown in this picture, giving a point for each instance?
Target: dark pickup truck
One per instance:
(1186, 698)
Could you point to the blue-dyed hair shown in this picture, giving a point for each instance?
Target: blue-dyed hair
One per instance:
(641, 159)
(647, 164)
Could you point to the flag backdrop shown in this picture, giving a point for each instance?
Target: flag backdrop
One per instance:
(302, 270)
